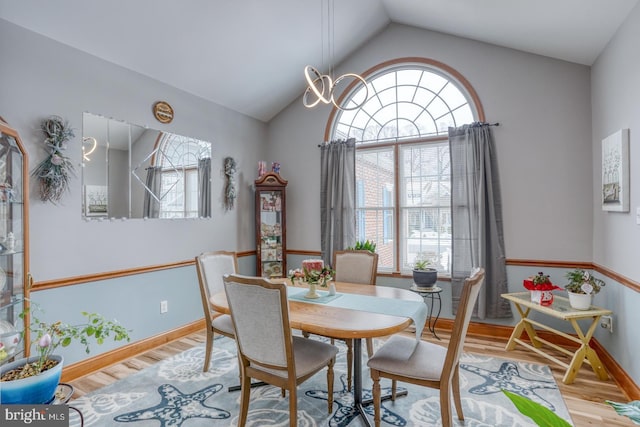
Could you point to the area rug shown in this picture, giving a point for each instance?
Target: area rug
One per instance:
(176, 393)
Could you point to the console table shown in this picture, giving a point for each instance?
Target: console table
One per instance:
(560, 309)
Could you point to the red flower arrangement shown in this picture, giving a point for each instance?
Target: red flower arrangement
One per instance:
(540, 286)
(539, 282)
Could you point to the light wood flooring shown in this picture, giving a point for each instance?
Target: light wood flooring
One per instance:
(584, 398)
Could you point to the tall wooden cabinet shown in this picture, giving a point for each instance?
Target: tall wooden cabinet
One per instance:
(14, 238)
(271, 226)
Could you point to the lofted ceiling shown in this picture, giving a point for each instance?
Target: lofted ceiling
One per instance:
(248, 55)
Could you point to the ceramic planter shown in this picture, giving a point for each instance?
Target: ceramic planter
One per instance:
(580, 301)
(39, 389)
(425, 278)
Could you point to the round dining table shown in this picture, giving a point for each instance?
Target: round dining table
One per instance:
(344, 323)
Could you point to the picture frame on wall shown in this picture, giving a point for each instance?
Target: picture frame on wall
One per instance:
(615, 172)
(95, 200)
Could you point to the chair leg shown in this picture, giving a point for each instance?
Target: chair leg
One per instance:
(349, 343)
(394, 389)
(208, 349)
(293, 407)
(375, 376)
(456, 394)
(330, 385)
(245, 393)
(445, 406)
(369, 347)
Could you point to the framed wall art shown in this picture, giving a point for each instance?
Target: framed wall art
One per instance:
(615, 172)
(95, 200)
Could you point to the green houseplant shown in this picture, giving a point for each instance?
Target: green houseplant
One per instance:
(33, 380)
(424, 276)
(581, 287)
(363, 245)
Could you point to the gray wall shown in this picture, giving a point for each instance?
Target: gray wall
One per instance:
(543, 107)
(615, 91)
(549, 166)
(41, 77)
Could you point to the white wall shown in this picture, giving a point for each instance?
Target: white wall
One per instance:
(615, 95)
(41, 77)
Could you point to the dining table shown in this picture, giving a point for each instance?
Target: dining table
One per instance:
(355, 312)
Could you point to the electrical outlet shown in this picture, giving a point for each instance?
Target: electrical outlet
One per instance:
(164, 307)
(607, 323)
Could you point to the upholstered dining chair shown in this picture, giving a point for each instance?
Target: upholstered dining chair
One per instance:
(427, 364)
(267, 349)
(355, 267)
(211, 267)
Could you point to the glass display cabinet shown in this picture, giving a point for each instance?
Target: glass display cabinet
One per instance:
(14, 240)
(271, 226)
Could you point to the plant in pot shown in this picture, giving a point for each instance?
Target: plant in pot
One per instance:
(424, 276)
(363, 245)
(581, 288)
(34, 380)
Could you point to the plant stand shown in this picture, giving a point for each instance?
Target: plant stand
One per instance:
(563, 311)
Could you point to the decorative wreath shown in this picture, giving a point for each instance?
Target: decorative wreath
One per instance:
(54, 173)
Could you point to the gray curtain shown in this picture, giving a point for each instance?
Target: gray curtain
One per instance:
(337, 197)
(204, 187)
(153, 184)
(476, 210)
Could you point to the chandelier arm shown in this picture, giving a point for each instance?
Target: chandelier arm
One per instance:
(338, 80)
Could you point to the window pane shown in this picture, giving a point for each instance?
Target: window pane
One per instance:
(375, 199)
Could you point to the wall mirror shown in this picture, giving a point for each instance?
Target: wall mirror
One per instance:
(129, 171)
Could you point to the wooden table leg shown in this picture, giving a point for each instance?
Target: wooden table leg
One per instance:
(585, 352)
(520, 327)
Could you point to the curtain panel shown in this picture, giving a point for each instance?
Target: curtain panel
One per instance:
(153, 183)
(337, 196)
(204, 187)
(476, 210)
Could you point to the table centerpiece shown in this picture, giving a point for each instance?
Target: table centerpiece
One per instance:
(314, 274)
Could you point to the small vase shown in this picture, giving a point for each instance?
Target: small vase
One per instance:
(312, 294)
(542, 297)
(580, 301)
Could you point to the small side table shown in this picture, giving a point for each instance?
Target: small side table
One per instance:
(433, 294)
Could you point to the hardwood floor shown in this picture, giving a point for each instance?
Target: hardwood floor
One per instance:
(584, 398)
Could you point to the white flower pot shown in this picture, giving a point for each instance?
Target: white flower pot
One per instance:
(580, 301)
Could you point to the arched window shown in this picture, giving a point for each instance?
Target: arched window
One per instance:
(402, 159)
(179, 159)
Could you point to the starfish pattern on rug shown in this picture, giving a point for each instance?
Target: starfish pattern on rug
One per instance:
(176, 407)
(346, 411)
(508, 377)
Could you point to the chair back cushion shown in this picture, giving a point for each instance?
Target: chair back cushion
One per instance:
(355, 267)
(212, 266)
(259, 310)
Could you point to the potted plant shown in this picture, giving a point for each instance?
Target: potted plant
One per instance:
(366, 245)
(34, 380)
(581, 288)
(424, 276)
(541, 288)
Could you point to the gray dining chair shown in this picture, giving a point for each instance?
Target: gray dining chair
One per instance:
(267, 349)
(427, 364)
(355, 267)
(211, 267)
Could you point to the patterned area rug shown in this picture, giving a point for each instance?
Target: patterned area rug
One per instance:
(177, 393)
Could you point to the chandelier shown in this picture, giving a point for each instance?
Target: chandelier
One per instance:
(322, 87)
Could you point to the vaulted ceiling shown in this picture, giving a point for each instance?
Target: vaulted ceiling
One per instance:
(248, 55)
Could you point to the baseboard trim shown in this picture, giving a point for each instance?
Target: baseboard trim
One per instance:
(101, 361)
(484, 330)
